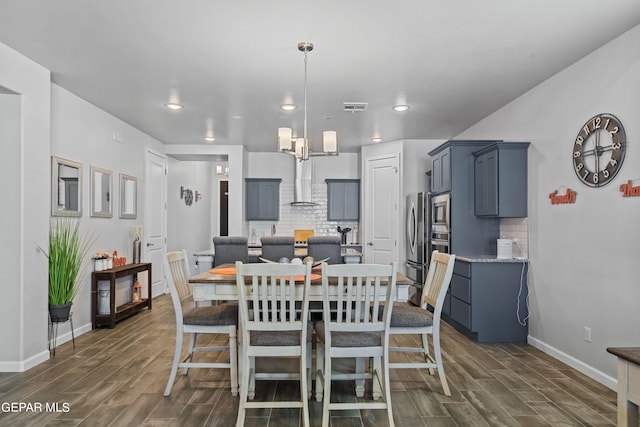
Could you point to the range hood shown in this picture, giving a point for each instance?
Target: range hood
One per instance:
(302, 183)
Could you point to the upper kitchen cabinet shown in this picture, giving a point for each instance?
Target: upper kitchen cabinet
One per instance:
(262, 199)
(440, 170)
(501, 180)
(453, 166)
(343, 199)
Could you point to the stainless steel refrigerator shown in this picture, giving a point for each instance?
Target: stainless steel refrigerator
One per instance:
(418, 231)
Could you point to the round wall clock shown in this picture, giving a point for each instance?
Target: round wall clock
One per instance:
(598, 151)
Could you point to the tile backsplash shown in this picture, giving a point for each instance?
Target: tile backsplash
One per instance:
(315, 218)
(303, 217)
(516, 228)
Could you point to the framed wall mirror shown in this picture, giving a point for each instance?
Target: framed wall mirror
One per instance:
(66, 187)
(128, 196)
(101, 192)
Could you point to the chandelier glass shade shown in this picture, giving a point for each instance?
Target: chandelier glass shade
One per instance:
(299, 147)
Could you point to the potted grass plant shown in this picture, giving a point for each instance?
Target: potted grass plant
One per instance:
(68, 248)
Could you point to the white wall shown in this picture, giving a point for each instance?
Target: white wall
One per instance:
(583, 257)
(237, 161)
(84, 133)
(24, 344)
(10, 218)
(414, 164)
(280, 165)
(189, 227)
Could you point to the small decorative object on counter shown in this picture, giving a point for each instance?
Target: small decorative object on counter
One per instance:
(137, 243)
(343, 233)
(136, 291)
(101, 261)
(118, 261)
(103, 301)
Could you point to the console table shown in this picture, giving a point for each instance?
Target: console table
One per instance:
(628, 384)
(122, 311)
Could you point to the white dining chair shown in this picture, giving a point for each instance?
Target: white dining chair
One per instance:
(409, 319)
(274, 325)
(356, 327)
(216, 319)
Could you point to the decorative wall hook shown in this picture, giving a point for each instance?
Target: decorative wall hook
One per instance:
(198, 196)
(188, 197)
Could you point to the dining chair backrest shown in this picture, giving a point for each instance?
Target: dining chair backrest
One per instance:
(216, 319)
(229, 249)
(276, 247)
(362, 290)
(437, 282)
(321, 247)
(177, 275)
(272, 290)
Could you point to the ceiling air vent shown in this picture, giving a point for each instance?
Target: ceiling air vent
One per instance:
(354, 107)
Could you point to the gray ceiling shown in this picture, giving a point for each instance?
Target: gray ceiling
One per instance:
(233, 62)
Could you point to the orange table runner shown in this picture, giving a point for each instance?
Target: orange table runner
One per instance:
(223, 270)
(232, 271)
(301, 278)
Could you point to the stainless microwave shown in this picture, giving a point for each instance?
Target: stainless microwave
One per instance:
(440, 212)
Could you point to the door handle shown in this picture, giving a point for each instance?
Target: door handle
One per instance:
(149, 244)
(370, 243)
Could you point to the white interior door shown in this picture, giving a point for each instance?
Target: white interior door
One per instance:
(381, 201)
(155, 218)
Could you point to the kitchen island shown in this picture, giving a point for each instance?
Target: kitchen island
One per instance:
(487, 298)
(204, 259)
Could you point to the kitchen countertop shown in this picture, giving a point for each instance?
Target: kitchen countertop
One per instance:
(304, 245)
(488, 258)
(347, 250)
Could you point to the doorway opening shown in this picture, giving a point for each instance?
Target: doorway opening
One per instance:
(224, 207)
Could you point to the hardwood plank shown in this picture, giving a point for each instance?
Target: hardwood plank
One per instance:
(489, 408)
(575, 408)
(117, 377)
(506, 398)
(464, 414)
(554, 415)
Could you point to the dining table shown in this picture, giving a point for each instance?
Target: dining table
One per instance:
(219, 284)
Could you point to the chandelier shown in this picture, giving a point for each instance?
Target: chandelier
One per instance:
(301, 147)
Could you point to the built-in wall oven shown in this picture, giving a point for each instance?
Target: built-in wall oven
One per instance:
(440, 239)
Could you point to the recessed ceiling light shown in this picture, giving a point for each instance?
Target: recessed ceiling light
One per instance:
(400, 107)
(376, 139)
(288, 107)
(173, 106)
(209, 138)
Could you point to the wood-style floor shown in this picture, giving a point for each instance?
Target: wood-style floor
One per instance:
(115, 377)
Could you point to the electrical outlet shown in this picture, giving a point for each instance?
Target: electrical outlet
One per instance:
(587, 334)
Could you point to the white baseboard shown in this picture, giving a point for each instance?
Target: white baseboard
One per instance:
(579, 365)
(66, 337)
(23, 365)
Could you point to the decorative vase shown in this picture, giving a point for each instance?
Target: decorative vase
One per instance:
(103, 301)
(137, 245)
(59, 313)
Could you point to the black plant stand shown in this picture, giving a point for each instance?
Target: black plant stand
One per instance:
(53, 333)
